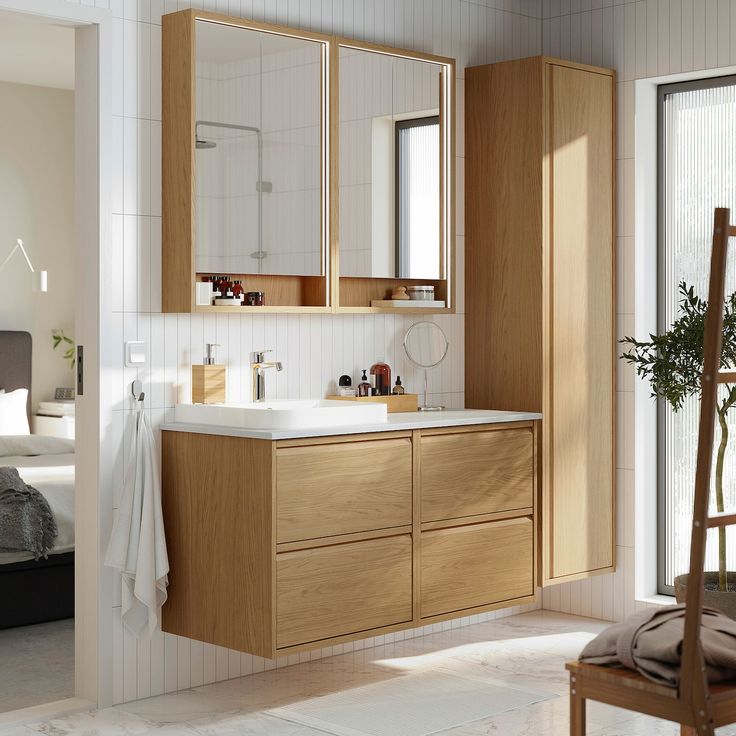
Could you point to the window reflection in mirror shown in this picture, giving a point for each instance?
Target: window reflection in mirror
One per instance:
(390, 166)
(258, 152)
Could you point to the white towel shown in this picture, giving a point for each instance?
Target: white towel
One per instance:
(138, 546)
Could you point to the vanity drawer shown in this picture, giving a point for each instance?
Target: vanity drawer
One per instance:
(476, 565)
(343, 488)
(342, 589)
(477, 472)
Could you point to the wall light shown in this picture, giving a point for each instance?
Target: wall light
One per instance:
(40, 278)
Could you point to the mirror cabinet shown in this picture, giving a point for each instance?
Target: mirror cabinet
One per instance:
(303, 172)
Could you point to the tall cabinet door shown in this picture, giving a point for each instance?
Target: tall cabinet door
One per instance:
(578, 392)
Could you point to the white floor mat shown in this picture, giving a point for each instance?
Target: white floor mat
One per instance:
(410, 705)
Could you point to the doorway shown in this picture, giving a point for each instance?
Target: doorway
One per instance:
(59, 260)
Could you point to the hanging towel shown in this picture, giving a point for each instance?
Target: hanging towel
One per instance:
(138, 546)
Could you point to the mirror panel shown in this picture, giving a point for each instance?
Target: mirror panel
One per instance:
(258, 153)
(391, 124)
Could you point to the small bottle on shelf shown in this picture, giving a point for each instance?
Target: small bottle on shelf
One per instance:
(398, 389)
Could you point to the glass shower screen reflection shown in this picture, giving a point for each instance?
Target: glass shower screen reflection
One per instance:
(697, 173)
(258, 153)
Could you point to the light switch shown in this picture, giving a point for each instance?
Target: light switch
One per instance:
(135, 353)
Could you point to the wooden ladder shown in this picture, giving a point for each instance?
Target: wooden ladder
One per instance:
(696, 706)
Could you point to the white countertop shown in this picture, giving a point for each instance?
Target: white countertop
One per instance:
(396, 422)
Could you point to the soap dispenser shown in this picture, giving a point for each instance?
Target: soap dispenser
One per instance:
(208, 380)
(364, 388)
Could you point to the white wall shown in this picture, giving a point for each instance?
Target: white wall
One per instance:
(640, 40)
(314, 349)
(37, 205)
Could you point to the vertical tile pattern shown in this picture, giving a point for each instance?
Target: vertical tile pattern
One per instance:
(315, 349)
(639, 39)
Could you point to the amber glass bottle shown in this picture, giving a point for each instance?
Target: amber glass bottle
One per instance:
(382, 378)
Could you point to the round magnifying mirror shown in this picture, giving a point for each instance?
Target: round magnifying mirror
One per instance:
(426, 346)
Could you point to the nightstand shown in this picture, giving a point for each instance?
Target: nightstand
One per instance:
(53, 426)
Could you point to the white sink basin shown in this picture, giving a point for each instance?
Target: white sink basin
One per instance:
(297, 414)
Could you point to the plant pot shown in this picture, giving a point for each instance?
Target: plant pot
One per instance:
(724, 602)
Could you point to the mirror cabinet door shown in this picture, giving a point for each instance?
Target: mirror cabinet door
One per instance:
(258, 152)
(391, 124)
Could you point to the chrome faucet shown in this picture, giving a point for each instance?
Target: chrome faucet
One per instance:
(258, 366)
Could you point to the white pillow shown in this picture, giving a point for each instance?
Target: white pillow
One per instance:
(13, 416)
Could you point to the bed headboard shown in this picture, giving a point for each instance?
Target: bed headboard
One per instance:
(15, 362)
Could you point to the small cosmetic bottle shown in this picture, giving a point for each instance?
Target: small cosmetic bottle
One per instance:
(345, 386)
(364, 388)
(398, 389)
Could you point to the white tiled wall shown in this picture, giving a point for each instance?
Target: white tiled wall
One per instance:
(645, 38)
(314, 349)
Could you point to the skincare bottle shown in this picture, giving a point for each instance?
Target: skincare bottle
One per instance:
(345, 386)
(381, 374)
(398, 389)
(364, 388)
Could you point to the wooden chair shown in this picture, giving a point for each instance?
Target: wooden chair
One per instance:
(696, 706)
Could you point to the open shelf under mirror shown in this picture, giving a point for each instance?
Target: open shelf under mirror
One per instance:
(356, 295)
(281, 294)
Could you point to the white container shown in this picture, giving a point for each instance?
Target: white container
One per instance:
(421, 293)
(203, 294)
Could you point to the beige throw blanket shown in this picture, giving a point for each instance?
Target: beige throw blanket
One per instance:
(650, 642)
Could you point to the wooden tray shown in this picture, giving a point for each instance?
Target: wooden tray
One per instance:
(395, 403)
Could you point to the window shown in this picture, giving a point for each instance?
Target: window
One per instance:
(418, 198)
(697, 172)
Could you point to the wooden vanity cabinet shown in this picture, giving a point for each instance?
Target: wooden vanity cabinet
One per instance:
(281, 546)
(539, 286)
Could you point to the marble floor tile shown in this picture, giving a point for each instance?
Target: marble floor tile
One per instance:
(179, 707)
(527, 651)
(18, 731)
(252, 724)
(107, 722)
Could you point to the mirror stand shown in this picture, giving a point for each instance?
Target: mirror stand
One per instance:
(424, 406)
(426, 346)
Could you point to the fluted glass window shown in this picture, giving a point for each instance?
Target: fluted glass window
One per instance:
(697, 172)
(418, 197)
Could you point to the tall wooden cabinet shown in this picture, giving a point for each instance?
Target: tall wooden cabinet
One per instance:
(539, 285)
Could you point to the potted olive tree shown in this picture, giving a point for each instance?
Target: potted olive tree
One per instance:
(673, 364)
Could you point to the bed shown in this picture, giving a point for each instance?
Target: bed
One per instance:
(34, 591)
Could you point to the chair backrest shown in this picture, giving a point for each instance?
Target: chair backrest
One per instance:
(693, 677)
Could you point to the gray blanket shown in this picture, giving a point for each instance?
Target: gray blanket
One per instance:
(27, 523)
(650, 642)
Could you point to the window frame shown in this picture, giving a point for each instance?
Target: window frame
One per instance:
(399, 126)
(663, 91)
